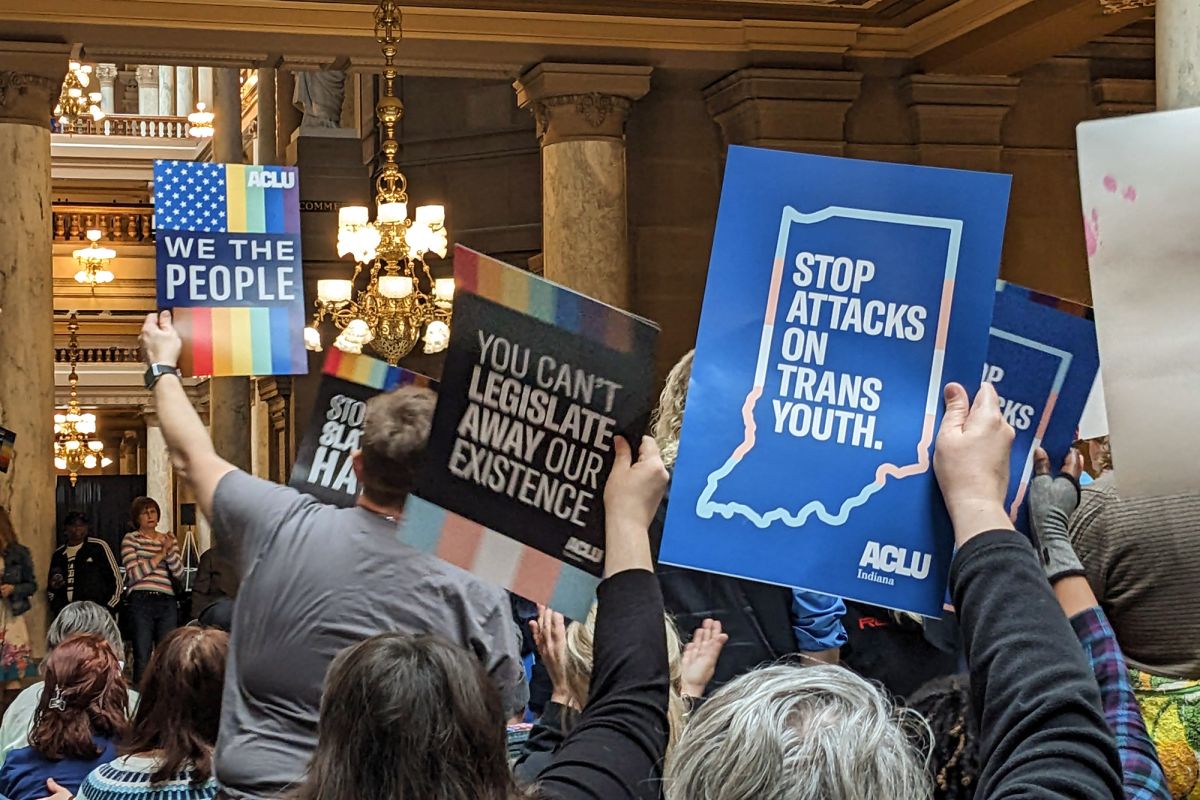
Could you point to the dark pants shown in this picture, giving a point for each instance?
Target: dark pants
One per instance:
(152, 616)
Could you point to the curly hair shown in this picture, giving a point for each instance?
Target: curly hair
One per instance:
(84, 696)
(954, 746)
(668, 417)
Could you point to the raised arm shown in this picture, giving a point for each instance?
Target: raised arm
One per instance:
(191, 449)
(1043, 734)
(112, 577)
(617, 747)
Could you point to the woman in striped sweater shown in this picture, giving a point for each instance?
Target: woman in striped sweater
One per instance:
(150, 560)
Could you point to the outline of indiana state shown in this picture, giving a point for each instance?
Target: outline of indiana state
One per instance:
(706, 508)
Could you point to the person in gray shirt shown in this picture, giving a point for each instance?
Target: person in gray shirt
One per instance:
(317, 579)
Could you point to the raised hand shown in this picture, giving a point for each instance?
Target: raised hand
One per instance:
(699, 660)
(550, 638)
(159, 339)
(631, 499)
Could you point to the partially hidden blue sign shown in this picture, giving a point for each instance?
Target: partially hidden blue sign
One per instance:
(842, 295)
(1042, 359)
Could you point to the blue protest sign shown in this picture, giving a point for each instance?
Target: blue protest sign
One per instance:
(842, 295)
(1042, 359)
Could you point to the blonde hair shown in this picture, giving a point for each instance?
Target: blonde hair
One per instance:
(578, 667)
(668, 417)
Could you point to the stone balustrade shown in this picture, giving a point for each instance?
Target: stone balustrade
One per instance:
(118, 223)
(141, 127)
(99, 355)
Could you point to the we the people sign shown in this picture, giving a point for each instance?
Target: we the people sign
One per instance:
(229, 266)
(842, 295)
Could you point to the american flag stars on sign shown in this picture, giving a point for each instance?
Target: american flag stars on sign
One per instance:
(190, 197)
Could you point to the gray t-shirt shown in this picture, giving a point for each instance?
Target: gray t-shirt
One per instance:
(317, 580)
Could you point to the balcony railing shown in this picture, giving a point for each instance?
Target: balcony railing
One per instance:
(119, 223)
(132, 125)
(99, 355)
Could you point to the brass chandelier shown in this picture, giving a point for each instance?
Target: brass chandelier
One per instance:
(74, 101)
(76, 447)
(401, 302)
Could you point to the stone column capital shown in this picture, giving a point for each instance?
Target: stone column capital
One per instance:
(31, 76)
(581, 101)
(147, 76)
(106, 73)
(960, 109)
(796, 109)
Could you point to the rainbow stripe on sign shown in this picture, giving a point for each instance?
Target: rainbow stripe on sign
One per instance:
(241, 341)
(497, 559)
(367, 371)
(553, 304)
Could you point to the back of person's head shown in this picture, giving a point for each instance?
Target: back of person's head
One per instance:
(796, 733)
(668, 417)
(84, 616)
(8, 533)
(180, 706)
(84, 695)
(407, 716)
(952, 738)
(578, 667)
(395, 431)
(138, 507)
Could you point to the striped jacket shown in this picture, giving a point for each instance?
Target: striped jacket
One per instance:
(137, 556)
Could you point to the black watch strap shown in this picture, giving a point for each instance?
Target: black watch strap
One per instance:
(156, 371)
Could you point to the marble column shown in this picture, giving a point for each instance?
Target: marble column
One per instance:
(229, 398)
(107, 75)
(30, 78)
(160, 476)
(260, 424)
(1177, 53)
(147, 78)
(204, 86)
(166, 91)
(185, 95)
(267, 151)
(581, 111)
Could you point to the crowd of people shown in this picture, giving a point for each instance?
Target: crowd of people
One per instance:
(358, 667)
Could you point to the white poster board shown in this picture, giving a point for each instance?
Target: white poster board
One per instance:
(1140, 185)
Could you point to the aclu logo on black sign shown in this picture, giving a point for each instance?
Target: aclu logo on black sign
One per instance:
(887, 559)
(262, 179)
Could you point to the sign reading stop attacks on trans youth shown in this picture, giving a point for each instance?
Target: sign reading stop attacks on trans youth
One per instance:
(229, 266)
(842, 296)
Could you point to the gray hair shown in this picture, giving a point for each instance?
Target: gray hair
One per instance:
(792, 733)
(84, 616)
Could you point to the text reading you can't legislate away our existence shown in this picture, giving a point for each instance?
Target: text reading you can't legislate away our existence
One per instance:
(535, 429)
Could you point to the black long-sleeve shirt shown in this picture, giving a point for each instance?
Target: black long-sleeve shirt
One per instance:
(1043, 734)
(615, 750)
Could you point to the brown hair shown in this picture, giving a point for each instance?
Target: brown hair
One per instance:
(140, 504)
(407, 716)
(8, 534)
(84, 696)
(394, 434)
(180, 706)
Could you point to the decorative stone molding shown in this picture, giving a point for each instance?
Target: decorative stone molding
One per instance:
(581, 101)
(31, 76)
(147, 76)
(958, 120)
(1115, 97)
(793, 109)
(106, 73)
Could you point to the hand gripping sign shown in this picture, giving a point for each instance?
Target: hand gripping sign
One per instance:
(842, 296)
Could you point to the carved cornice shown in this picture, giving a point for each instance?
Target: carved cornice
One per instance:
(581, 101)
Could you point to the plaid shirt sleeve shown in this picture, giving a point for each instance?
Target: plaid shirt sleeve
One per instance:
(1142, 774)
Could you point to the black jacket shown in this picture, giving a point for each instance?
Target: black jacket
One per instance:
(97, 577)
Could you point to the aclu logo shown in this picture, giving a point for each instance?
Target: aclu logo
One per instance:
(886, 560)
(588, 552)
(263, 179)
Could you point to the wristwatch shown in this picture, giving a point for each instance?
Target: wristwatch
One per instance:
(156, 371)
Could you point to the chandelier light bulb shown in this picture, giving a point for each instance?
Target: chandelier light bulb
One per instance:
(73, 444)
(432, 217)
(312, 339)
(437, 336)
(89, 461)
(105, 461)
(353, 215)
(95, 445)
(75, 92)
(60, 463)
(395, 287)
(443, 290)
(391, 212)
(334, 290)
